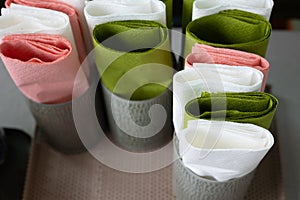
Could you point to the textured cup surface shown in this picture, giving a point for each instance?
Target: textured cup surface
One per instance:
(57, 125)
(121, 113)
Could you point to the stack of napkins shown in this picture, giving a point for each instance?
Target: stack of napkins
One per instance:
(188, 84)
(64, 8)
(202, 53)
(25, 19)
(42, 47)
(102, 11)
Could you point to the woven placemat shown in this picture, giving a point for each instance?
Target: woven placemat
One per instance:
(55, 176)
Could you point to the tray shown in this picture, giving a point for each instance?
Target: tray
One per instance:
(52, 175)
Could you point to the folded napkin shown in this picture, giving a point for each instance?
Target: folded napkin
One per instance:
(203, 8)
(144, 5)
(43, 66)
(202, 53)
(233, 29)
(133, 58)
(102, 11)
(245, 107)
(221, 150)
(61, 7)
(194, 9)
(188, 84)
(25, 19)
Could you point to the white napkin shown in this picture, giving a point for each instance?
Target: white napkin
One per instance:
(221, 150)
(203, 8)
(25, 19)
(102, 11)
(188, 84)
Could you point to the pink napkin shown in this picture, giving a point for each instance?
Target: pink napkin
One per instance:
(62, 7)
(43, 66)
(207, 54)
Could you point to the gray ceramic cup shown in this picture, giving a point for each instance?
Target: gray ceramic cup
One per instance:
(56, 122)
(189, 186)
(127, 118)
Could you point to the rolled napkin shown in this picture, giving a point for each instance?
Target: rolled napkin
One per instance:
(220, 150)
(102, 11)
(203, 8)
(245, 107)
(135, 67)
(135, 50)
(43, 66)
(146, 5)
(194, 9)
(61, 7)
(202, 53)
(25, 19)
(234, 29)
(188, 84)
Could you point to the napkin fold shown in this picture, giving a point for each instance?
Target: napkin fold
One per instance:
(64, 8)
(133, 58)
(203, 8)
(245, 107)
(193, 9)
(202, 53)
(102, 11)
(221, 150)
(188, 84)
(43, 66)
(144, 5)
(79, 5)
(24, 19)
(234, 29)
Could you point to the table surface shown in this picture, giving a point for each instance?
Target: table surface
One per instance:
(284, 57)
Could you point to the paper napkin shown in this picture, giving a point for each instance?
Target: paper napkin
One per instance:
(188, 84)
(221, 150)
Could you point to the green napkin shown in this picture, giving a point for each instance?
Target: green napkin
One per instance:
(169, 12)
(122, 47)
(246, 107)
(233, 29)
